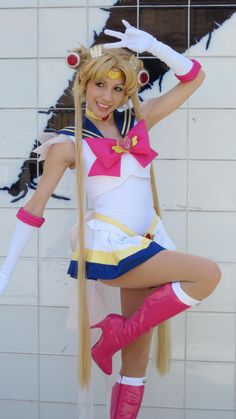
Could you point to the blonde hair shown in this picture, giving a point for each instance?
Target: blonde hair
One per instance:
(96, 69)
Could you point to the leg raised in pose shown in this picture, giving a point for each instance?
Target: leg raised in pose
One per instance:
(184, 279)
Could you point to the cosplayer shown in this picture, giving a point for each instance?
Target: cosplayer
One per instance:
(123, 243)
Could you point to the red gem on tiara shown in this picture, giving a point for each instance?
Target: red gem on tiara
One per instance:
(73, 59)
(143, 77)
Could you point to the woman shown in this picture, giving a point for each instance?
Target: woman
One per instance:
(124, 244)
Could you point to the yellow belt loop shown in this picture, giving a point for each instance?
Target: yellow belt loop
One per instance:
(116, 223)
(154, 224)
(123, 227)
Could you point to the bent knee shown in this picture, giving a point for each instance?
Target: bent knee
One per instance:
(213, 276)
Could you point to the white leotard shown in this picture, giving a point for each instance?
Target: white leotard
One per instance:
(127, 198)
(130, 203)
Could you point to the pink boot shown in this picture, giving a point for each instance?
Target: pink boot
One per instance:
(126, 400)
(118, 331)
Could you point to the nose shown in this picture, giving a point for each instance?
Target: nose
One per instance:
(107, 95)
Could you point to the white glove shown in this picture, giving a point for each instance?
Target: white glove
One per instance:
(20, 238)
(140, 41)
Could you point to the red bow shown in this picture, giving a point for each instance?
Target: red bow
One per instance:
(109, 151)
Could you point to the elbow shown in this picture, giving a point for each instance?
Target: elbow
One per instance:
(200, 77)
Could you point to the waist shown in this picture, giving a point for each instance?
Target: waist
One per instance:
(148, 234)
(131, 204)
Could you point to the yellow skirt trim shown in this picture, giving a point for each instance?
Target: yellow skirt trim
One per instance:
(112, 258)
(115, 256)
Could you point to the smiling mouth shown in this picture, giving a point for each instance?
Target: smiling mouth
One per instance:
(101, 107)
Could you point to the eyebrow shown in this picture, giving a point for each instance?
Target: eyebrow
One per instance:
(121, 83)
(115, 85)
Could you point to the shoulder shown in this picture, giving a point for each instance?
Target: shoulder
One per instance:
(67, 143)
(62, 146)
(61, 153)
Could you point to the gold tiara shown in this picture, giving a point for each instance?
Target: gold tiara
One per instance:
(115, 74)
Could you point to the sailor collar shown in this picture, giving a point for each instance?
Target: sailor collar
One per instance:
(124, 121)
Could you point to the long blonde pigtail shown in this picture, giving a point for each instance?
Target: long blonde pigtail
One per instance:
(163, 348)
(163, 352)
(83, 317)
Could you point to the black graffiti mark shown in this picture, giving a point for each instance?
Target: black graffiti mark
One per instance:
(204, 20)
(25, 181)
(209, 40)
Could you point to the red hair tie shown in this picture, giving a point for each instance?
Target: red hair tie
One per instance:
(143, 77)
(73, 59)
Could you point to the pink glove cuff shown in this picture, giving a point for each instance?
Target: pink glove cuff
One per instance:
(192, 74)
(30, 219)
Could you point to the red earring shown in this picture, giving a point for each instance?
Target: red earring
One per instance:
(143, 77)
(73, 59)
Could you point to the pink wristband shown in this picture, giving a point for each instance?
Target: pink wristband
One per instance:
(30, 219)
(192, 74)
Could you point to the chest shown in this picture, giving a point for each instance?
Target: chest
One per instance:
(110, 132)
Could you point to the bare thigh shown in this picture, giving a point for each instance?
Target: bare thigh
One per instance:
(195, 272)
(135, 355)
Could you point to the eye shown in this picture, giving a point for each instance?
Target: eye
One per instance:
(119, 89)
(100, 84)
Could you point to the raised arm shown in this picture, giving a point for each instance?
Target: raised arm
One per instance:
(59, 157)
(155, 109)
(187, 71)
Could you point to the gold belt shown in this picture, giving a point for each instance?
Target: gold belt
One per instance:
(127, 230)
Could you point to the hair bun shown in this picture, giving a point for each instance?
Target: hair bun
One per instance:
(73, 59)
(143, 77)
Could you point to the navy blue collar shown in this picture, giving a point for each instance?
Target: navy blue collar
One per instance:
(124, 121)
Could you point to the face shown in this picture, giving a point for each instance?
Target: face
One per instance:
(104, 96)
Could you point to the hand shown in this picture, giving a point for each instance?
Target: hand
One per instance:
(132, 38)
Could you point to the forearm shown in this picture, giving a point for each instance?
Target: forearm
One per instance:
(155, 109)
(36, 206)
(177, 62)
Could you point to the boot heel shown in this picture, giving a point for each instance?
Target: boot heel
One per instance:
(103, 322)
(99, 324)
(102, 351)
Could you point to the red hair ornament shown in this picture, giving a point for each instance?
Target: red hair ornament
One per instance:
(73, 59)
(143, 77)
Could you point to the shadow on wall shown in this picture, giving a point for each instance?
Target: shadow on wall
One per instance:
(168, 24)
